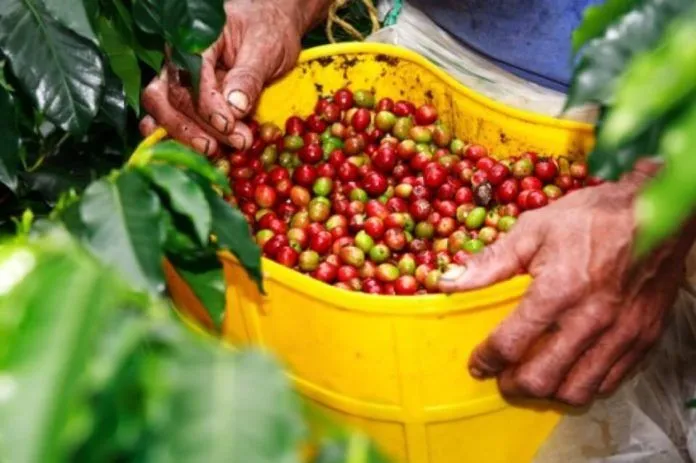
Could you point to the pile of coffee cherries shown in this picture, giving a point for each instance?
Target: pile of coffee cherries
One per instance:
(379, 197)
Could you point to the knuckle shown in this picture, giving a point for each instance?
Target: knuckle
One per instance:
(574, 398)
(534, 385)
(504, 347)
(599, 317)
(627, 333)
(178, 98)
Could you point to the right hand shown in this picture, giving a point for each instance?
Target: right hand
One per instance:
(260, 41)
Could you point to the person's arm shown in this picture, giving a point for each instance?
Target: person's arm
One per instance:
(260, 42)
(592, 311)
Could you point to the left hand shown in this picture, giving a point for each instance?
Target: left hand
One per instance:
(591, 312)
(260, 42)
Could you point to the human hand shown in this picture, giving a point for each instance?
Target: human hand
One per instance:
(260, 42)
(591, 312)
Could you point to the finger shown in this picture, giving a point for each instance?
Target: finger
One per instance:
(179, 126)
(181, 98)
(621, 370)
(241, 137)
(544, 372)
(582, 384)
(498, 262)
(211, 104)
(521, 330)
(147, 126)
(243, 83)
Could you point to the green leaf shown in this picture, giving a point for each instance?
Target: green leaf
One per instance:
(47, 341)
(232, 232)
(205, 278)
(670, 199)
(61, 71)
(153, 57)
(113, 105)
(123, 61)
(610, 165)
(174, 153)
(9, 134)
(141, 45)
(605, 59)
(148, 15)
(192, 25)
(190, 62)
(235, 408)
(122, 222)
(654, 85)
(185, 196)
(72, 14)
(597, 18)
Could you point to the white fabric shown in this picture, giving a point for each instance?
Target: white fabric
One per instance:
(646, 420)
(415, 31)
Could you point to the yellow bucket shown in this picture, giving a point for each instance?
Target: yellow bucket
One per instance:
(395, 367)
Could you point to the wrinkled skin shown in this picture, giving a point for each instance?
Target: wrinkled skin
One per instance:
(260, 42)
(592, 312)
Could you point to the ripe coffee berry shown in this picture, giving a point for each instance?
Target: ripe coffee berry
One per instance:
(375, 183)
(545, 170)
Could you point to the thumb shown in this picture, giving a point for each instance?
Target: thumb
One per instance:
(498, 262)
(243, 83)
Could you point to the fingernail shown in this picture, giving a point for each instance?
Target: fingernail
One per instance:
(201, 145)
(237, 141)
(476, 373)
(220, 122)
(453, 274)
(238, 99)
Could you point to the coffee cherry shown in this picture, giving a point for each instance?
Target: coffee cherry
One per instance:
(406, 285)
(351, 255)
(426, 114)
(326, 272)
(545, 170)
(321, 242)
(287, 256)
(265, 196)
(387, 273)
(578, 170)
(531, 183)
(475, 152)
(434, 175)
(343, 98)
(375, 183)
(364, 241)
(522, 168)
(379, 253)
(506, 223)
(473, 246)
(536, 199)
(364, 99)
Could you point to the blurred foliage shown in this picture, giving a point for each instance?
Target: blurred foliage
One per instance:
(93, 366)
(637, 60)
(92, 369)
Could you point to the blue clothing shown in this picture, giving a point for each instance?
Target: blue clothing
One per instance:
(530, 38)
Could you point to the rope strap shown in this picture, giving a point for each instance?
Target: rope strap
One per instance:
(334, 19)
